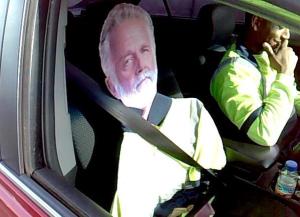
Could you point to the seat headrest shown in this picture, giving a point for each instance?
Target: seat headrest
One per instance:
(217, 22)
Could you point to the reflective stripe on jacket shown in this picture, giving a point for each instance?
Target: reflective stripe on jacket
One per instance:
(255, 95)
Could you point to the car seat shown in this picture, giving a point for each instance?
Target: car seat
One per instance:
(97, 137)
(218, 24)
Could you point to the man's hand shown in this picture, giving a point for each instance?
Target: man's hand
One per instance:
(181, 210)
(284, 60)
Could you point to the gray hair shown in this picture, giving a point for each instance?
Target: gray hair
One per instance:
(116, 16)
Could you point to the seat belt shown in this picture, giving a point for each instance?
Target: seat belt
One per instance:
(129, 118)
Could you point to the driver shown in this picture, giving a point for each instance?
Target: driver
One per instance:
(254, 84)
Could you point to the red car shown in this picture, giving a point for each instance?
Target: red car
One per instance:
(40, 140)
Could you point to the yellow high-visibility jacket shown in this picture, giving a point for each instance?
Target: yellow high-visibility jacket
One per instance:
(252, 93)
(148, 176)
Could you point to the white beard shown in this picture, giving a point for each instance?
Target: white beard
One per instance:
(142, 93)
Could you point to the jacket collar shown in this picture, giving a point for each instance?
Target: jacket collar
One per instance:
(245, 53)
(158, 111)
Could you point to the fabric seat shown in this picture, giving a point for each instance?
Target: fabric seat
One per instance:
(97, 137)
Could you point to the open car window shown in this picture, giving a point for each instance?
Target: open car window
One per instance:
(181, 43)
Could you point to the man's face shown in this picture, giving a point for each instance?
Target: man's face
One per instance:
(133, 57)
(273, 34)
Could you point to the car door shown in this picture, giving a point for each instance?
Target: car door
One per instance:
(33, 176)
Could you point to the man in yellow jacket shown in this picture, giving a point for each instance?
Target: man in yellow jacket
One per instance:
(254, 84)
(147, 176)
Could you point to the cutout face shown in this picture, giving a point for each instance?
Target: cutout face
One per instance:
(133, 57)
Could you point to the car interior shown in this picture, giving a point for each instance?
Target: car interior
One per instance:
(188, 52)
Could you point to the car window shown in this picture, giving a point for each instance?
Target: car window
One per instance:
(181, 45)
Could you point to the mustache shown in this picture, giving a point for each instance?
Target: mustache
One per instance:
(148, 74)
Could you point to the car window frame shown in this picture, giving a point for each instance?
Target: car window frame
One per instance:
(18, 97)
(9, 79)
(47, 172)
(46, 175)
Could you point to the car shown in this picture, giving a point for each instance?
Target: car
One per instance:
(42, 134)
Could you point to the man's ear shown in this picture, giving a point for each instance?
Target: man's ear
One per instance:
(111, 87)
(256, 23)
